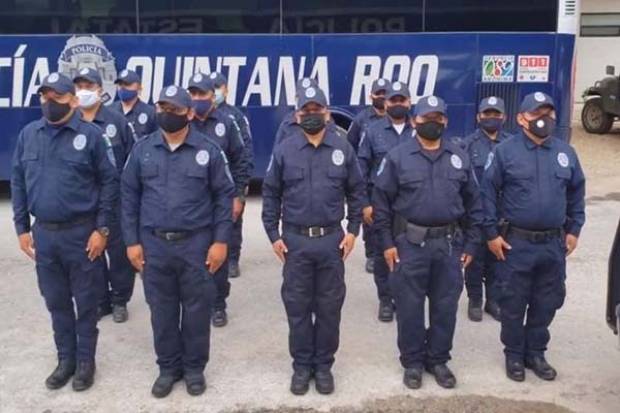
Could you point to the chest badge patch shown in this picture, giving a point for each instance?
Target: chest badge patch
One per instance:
(110, 130)
(337, 157)
(79, 142)
(142, 118)
(202, 157)
(563, 160)
(220, 129)
(456, 161)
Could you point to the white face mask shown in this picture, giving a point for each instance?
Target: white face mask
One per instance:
(219, 96)
(87, 98)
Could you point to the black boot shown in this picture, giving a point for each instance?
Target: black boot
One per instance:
(412, 377)
(84, 375)
(61, 374)
(220, 318)
(119, 313)
(515, 370)
(541, 368)
(164, 383)
(370, 265)
(443, 375)
(474, 309)
(300, 382)
(386, 311)
(233, 269)
(195, 384)
(324, 381)
(491, 307)
(103, 310)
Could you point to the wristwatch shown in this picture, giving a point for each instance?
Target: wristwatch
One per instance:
(103, 231)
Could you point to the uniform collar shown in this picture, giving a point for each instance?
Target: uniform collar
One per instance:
(100, 115)
(328, 139)
(529, 144)
(387, 123)
(417, 147)
(192, 139)
(501, 135)
(72, 123)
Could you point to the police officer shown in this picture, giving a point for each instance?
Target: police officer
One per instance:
(427, 212)
(534, 184)
(491, 117)
(310, 175)
(177, 197)
(241, 122)
(141, 117)
(224, 131)
(377, 140)
(365, 117)
(62, 176)
(117, 286)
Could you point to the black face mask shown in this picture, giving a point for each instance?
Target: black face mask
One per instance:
(171, 122)
(491, 125)
(312, 123)
(378, 103)
(542, 127)
(430, 130)
(54, 111)
(397, 111)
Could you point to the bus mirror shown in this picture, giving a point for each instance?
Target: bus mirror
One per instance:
(610, 70)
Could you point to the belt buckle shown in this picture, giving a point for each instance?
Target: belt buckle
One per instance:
(312, 234)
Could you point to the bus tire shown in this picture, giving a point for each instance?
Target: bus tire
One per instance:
(594, 118)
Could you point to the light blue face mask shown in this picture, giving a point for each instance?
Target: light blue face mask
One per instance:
(219, 96)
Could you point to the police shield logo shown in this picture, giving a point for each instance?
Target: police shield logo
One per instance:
(397, 86)
(142, 118)
(381, 167)
(305, 83)
(489, 162)
(432, 101)
(53, 78)
(79, 142)
(197, 77)
(563, 160)
(84, 71)
(220, 129)
(110, 130)
(213, 75)
(202, 157)
(456, 161)
(171, 91)
(539, 96)
(337, 157)
(124, 73)
(381, 82)
(492, 100)
(310, 92)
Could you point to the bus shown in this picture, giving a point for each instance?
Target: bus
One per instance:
(461, 50)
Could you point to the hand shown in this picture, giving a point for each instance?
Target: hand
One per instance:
(367, 215)
(497, 247)
(280, 248)
(346, 245)
(466, 259)
(571, 243)
(95, 246)
(237, 209)
(135, 254)
(216, 256)
(26, 244)
(391, 258)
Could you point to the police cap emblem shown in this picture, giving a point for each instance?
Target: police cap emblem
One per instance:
(171, 91)
(84, 71)
(79, 142)
(197, 77)
(337, 157)
(305, 83)
(432, 101)
(539, 96)
(220, 129)
(53, 78)
(124, 73)
(456, 161)
(310, 92)
(110, 130)
(142, 118)
(492, 100)
(213, 75)
(381, 82)
(202, 157)
(397, 86)
(563, 159)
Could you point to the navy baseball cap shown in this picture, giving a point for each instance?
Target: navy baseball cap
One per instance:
(176, 96)
(378, 85)
(397, 89)
(88, 74)
(201, 82)
(305, 83)
(534, 101)
(128, 76)
(57, 82)
(311, 95)
(430, 104)
(492, 103)
(217, 79)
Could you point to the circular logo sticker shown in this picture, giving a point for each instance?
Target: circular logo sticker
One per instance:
(53, 78)
(456, 161)
(310, 92)
(197, 77)
(142, 118)
(84, 71)
(539, 96)
(540, 123)
(489, 162)
(79, 142)
(213, 75)
(397, 86)
(110, 130)
(381, 167)
(563, 160)
(171, 91)
(337, 157)
(381, 82)
(202, 157)
(432, 101)
(305, 83)
(220, 129)
(492, 100)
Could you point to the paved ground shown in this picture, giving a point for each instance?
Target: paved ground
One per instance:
(250, 363)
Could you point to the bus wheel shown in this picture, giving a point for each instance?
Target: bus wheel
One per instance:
(594, 118)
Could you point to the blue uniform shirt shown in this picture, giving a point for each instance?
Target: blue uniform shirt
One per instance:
(240, 121)
(479, 145)
(141, 118)
(184, 190)
(360, 122)
(221, 129)
(116, 130)
(62, 174)
(433, 189)
(535, 187)
(307, 186)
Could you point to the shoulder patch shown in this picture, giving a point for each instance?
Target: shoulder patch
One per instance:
(337, 157)
(143, 118)
(79, 142)
(220, 129)
(456, 161)
(563, 160)
(110, 130)
(202, 157)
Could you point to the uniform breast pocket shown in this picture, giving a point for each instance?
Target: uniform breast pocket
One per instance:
(523, 183)
(76, 159)
(197, 179)
(411, 179)
(562, 176)
(148, 171)
(293, 177)
(336, 175)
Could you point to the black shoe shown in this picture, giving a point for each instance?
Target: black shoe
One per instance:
(195, 384)
(370, 265)
(324, 381)
(474, 309)
(61, 374)
(413, 377)
(164, 383)
(220, 318)
(515, 370)
(233, 269)
(119, 313)
(541, 368)
(443, 375)
(84, 375)
(300, 382)
(492, 308)
(386, 311)
(103, 310)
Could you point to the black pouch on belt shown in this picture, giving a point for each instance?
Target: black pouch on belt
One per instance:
(416, 234)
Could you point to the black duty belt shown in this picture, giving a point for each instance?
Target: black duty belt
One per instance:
(312, 232)
(58, 226)
(172, 235)
(534, 236)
